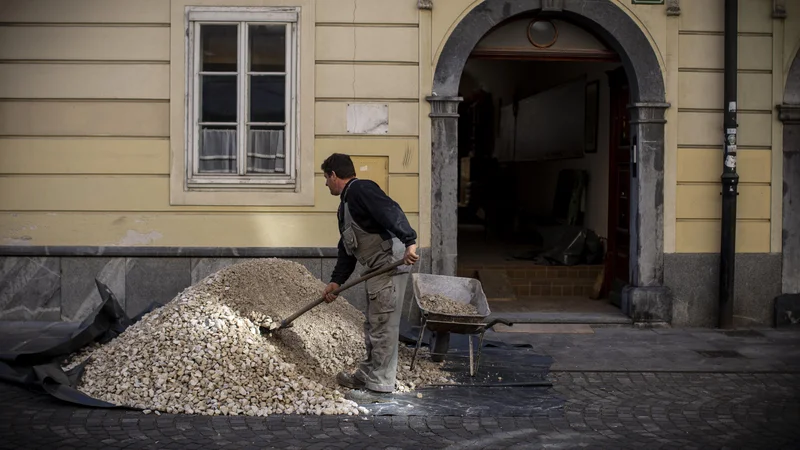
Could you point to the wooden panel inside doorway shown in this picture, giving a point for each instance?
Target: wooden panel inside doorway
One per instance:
(617, 273)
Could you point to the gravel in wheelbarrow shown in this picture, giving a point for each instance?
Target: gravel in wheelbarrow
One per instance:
(448, 299)
(464, 292)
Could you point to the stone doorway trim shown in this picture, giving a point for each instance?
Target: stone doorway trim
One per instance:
(646, 300)
(789, 113)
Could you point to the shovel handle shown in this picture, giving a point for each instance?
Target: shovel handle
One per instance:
(316, 302)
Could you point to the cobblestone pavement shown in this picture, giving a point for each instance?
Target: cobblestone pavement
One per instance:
(600, 410)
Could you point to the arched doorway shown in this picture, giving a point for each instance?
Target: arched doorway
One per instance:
(645, 299)
(790, 116)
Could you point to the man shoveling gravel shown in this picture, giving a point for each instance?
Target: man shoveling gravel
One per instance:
(375, 232)
(202, 354)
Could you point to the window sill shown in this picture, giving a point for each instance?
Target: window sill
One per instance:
(243, 194)
(239, 184)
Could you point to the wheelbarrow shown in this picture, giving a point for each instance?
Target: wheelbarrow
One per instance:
(462, 290)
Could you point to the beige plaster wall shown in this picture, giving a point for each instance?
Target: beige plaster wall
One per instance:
(86, 141)
(700, 106)
(90, 122)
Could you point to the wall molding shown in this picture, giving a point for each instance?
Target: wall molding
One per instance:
(673, 7)
(789, 114)
(779, 9)
(552, 5)
(195, 252)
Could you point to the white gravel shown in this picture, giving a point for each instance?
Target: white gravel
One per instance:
(202, 353)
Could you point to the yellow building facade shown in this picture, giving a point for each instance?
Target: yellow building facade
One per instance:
(103, 132)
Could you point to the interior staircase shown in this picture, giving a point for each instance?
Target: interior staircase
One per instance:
(524, 292)
(514, 279)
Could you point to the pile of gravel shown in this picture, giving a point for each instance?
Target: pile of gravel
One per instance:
(203, 352)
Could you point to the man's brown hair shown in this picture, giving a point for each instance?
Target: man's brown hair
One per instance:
(339, 163)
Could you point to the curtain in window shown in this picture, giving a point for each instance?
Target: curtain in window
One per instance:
(266, 152)
(218, 151)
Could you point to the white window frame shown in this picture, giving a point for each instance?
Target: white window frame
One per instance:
(244, 16)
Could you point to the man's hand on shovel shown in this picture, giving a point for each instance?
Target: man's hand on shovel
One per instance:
(410, 256)
(329, 297)
(328, 294)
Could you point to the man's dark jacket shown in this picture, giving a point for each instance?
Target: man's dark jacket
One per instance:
(374, 212)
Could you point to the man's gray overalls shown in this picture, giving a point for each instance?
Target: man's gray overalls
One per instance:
(384, 301)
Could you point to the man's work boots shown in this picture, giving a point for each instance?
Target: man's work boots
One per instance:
(359, 393)
(364, 395)
(349, 381)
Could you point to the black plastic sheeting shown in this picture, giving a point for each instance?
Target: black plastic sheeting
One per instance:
(501, 364)
(511, 379)
(467, 401)
(31, 355)
(576, 246)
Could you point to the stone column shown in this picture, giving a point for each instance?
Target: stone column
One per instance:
(647, 299)
(790, 116)
(444, 184)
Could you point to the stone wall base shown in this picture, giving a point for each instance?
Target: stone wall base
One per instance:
(647, 306)
(787, 311)
(62, 288)
(693, 279)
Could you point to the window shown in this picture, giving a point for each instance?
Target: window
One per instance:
(242, 78)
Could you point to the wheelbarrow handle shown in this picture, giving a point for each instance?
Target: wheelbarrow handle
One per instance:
(346, 286)
(496, 321)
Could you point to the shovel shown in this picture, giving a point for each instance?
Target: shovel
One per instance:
(286, 323)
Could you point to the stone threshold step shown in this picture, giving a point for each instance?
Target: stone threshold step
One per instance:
(564, 317)
(525, 265)
(534, 269)
(550, 281)
(554, 291)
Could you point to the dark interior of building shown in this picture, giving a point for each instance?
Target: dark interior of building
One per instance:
(544, 170)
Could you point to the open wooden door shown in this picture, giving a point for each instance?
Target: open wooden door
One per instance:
(617, 269)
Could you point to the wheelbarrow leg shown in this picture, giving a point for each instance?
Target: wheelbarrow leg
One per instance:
(480, 348)
(419, 342)
(471, 370)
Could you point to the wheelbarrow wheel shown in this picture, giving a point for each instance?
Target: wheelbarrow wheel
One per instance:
(441, 343)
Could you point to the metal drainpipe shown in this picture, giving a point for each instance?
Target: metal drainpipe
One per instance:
(730, 179)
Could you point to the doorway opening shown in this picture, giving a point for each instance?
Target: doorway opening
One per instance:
(544, 170)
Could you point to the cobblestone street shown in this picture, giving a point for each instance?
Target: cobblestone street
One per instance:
(719, 408)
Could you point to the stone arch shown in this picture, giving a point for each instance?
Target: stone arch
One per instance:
(790, 116)
(791, 93)
(604, 18)
(619, 31)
